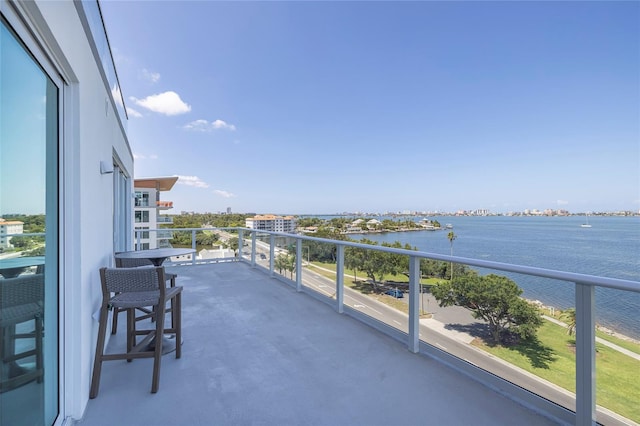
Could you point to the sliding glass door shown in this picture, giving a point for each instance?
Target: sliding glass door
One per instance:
(29, 287)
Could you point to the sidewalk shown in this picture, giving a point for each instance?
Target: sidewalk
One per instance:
(599, 340)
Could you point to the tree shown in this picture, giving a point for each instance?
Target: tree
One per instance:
(451, 236)
(569, 317)
(281, 263)
(354, 259)
(206, 238)
(234, 244)
(495, 299)
(291, 265)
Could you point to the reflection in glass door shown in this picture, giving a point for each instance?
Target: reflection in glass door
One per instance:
(29, 119)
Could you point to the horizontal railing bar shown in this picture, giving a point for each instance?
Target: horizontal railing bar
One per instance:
(574, 277)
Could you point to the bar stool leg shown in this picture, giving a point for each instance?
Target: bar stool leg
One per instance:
(97, 363)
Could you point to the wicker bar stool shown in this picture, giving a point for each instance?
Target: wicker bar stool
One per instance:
(131, 289)
(147, 313)
(21, 301)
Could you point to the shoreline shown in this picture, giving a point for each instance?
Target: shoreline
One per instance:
(601, 328)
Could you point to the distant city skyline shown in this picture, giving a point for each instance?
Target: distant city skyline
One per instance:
(467, 212)
(295, 107)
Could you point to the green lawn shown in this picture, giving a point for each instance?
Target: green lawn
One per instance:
(552, 356)
(630, 346)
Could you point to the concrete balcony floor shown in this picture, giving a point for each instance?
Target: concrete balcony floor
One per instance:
(256, 352)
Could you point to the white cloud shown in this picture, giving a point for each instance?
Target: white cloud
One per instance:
(223, 193)
(117, 95)
(219, 124)
(206, 126)
(153, 77)
(192, 181)
(562, 202)
(197, 125)
(144, 157)
(167, 103)
(133, 113)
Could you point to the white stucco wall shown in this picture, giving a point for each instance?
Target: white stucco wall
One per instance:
(91, 134)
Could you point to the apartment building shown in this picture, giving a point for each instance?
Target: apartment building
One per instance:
(9, 227)
(271, 222)
(149, 212)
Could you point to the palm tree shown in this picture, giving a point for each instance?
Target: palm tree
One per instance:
(451, 236)
(569, 317)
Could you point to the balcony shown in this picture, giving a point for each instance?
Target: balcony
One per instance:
(306, 348)
(164, 205)
(164, 234)
(164, 219)
(256, 351)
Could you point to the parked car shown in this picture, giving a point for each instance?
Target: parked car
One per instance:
(398, 294)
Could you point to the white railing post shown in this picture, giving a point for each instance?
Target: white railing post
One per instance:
(340, 278)
(193, 246)
(272, 251)
(585, 355)
(240, 243)
(298, 264)
(254, 236)
(414, 304)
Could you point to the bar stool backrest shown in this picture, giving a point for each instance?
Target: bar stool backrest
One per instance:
(125, 280)
(21, 290)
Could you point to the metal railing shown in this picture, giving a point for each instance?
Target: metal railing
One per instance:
(585, 285)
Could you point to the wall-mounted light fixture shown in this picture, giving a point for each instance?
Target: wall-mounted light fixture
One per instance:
(106, 167)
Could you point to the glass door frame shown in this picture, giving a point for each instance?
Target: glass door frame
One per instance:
(15, 18)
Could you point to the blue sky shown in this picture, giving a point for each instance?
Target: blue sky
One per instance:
(323, 107)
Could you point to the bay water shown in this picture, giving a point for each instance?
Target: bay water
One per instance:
(610, 248)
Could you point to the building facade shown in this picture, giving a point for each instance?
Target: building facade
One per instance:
(60, 101)
(9, 227)
(148, 212)
(271, 222)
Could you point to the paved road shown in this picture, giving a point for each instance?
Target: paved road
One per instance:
(439, 332)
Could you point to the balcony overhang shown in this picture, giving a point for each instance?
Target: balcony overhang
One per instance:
(157, 183)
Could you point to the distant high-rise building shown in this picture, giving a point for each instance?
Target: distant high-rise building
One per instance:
(228, 210)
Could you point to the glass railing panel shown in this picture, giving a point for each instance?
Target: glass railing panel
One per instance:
(262, 249)
(93, 15)
(282, 251)
(181, 238)
(617, 358)
(512, 325)
(318, 262)
(377, 284)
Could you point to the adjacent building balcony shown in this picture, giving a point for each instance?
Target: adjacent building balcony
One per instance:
(164, 234)
(164, 219)
(164, 205)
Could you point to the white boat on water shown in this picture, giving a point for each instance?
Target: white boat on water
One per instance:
(586, 224)
(448, 226)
